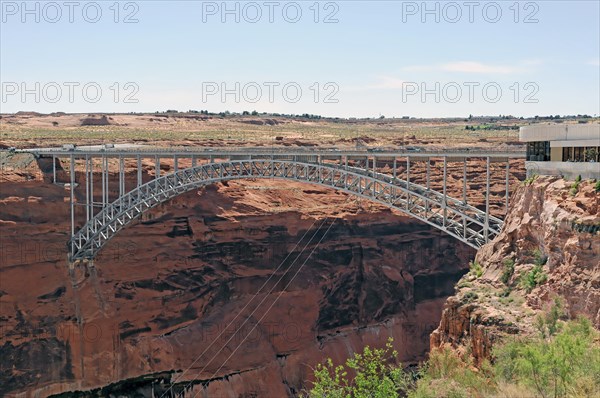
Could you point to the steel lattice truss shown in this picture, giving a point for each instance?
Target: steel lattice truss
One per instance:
(467, 223)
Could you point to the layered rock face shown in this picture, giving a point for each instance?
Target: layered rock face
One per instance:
(551, 227)
(234, 290)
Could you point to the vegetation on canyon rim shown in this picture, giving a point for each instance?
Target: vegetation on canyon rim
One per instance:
(562, 360)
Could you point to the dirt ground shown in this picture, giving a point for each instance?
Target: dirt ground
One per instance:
(28, 129)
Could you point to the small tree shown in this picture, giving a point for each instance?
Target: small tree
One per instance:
(376, 375)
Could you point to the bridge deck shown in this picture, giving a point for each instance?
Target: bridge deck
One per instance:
(135, 150)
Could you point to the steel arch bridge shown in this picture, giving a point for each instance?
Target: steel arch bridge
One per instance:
(467, 223)
(353, 172)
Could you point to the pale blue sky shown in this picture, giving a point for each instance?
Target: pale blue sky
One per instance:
(374, 55)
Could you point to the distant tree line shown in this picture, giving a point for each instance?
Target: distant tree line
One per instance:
(481, 119)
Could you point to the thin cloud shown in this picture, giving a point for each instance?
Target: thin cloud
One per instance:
(532, 62)
(477, 67)
(594, 62)
(380, 83)
(420, 68)
(388, 83)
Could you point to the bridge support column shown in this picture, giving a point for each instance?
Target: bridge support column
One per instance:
(91, 203)
(87, 188)
(139, 172)
(487, 199)
(408, 182)
(72, 199)
(507, 197)
(427, 186)
(121, 176)
(465, 181)
(175, 169)
(464, 219)
(103, 176)
(53, 169)
(374, 171)
(445, 193)
(107, 174)
(427, 183)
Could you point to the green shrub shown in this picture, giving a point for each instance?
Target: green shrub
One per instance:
(528, 181)
(536, 276)
(533, 278)
(470, 296)
(462, 283)
(564, 365)
(597, 186)
(375, 375)
(547, 324)
(447, 375)
(575, 186)
(508, 270)
(562, 362)
(475, 269)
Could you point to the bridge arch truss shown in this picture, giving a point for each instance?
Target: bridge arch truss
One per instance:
(359, 174)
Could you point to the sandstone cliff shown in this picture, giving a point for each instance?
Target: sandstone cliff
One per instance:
(162, 304)
(549, 249)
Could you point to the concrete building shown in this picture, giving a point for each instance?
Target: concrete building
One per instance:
(569, 150)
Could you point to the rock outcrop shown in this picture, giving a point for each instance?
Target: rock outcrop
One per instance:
(549, 249)
(92, 120)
